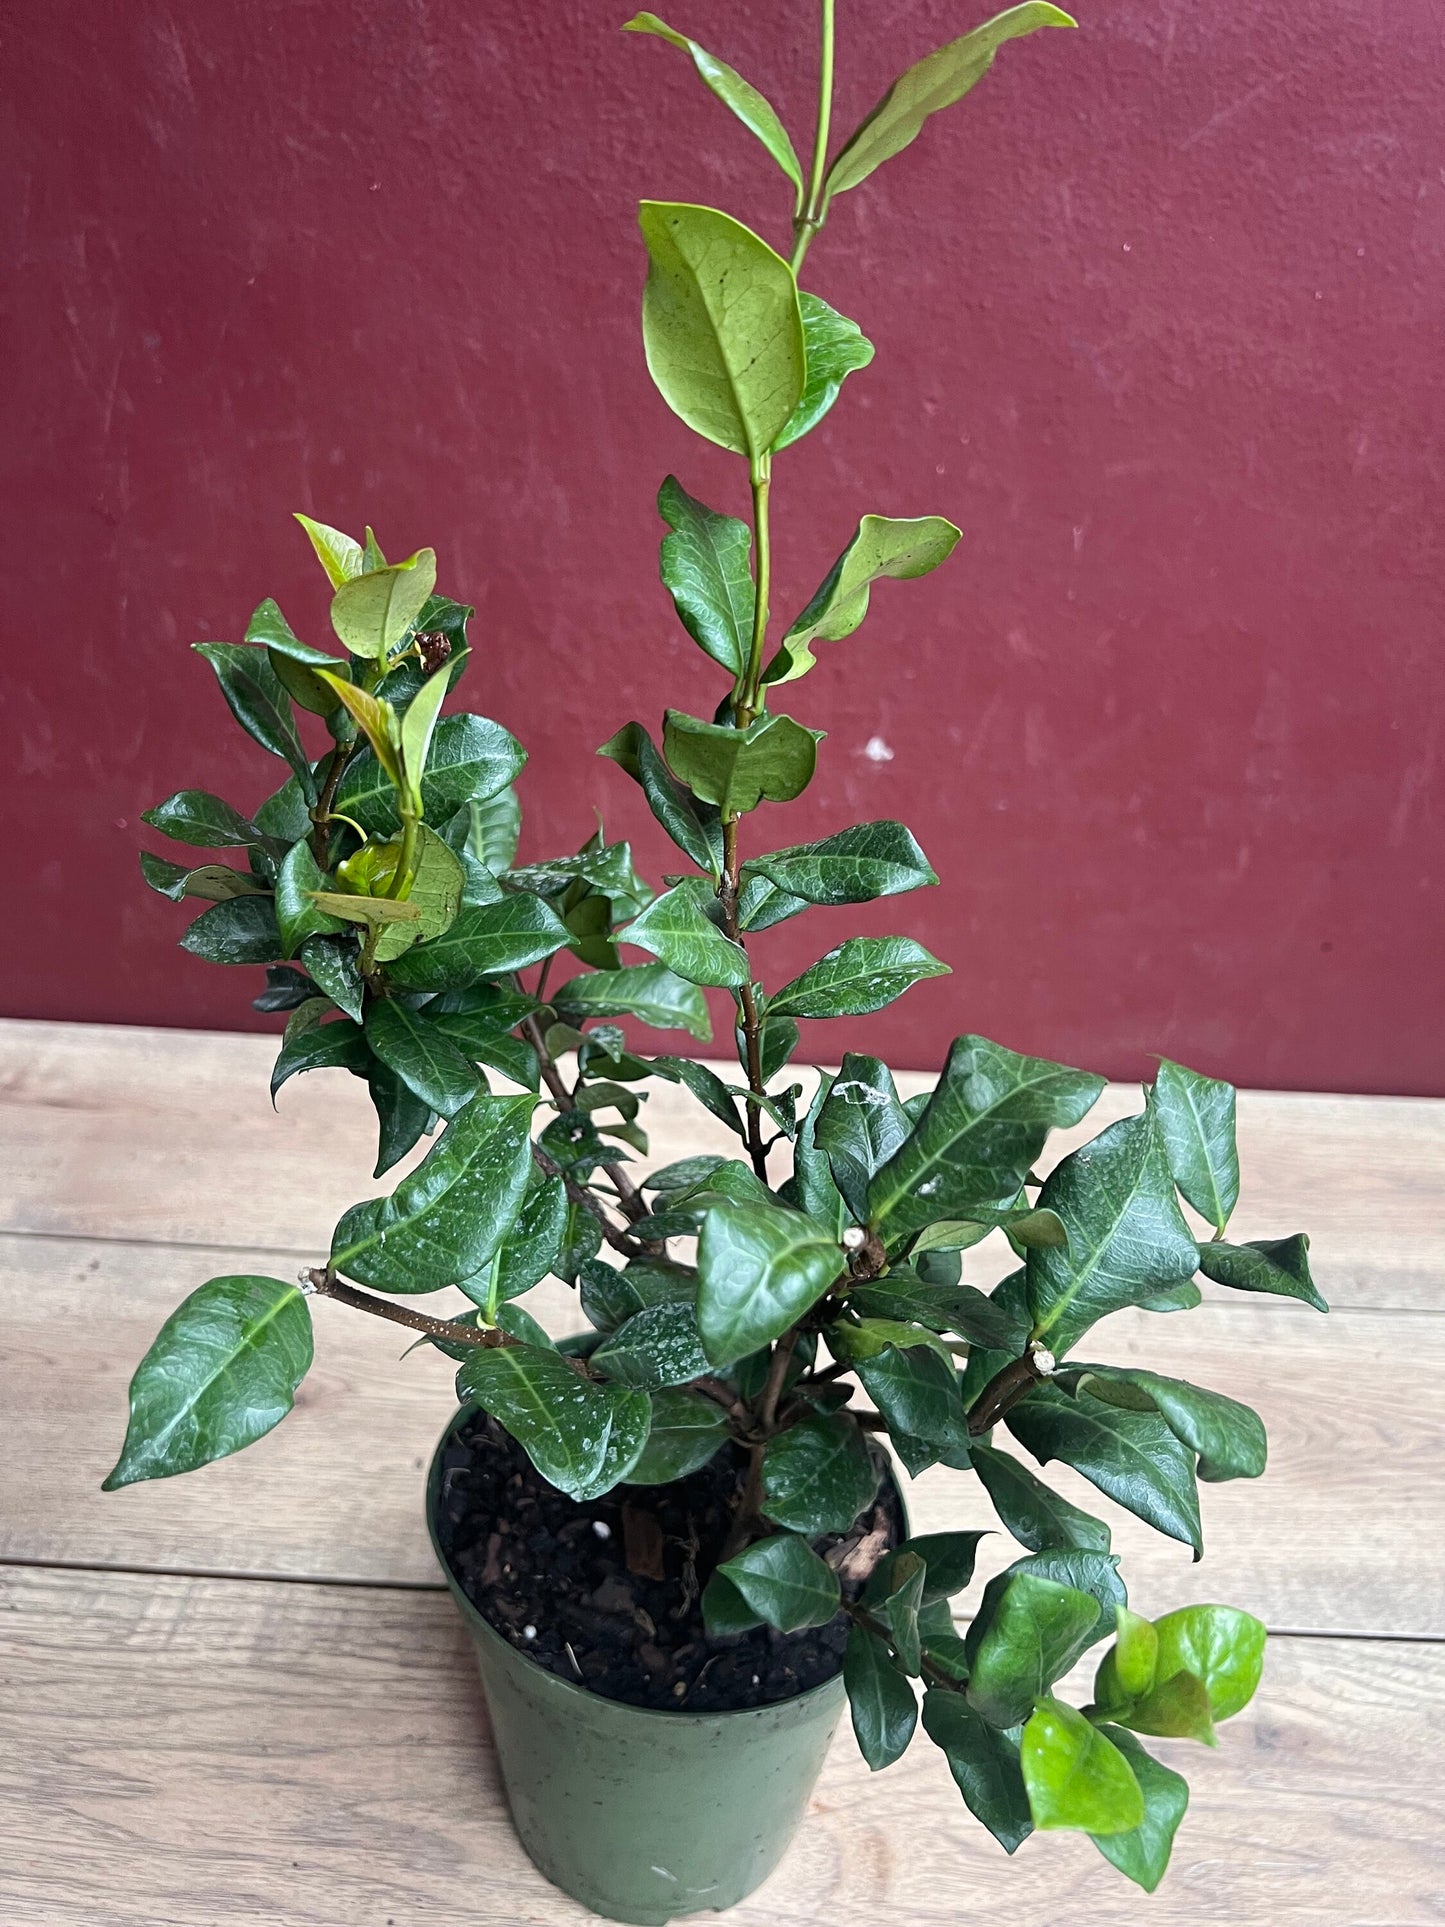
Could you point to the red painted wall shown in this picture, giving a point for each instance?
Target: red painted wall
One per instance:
(1158, 322)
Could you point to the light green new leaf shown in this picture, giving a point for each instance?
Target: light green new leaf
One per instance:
(340, 555)
(677, 930)
(984, 1763)
(447, 1217)
(785, 1582)
(1075, 1776)
(583, 1437)
(686, 1431)
(1279, 1266)
(857, 977)
(423, 1057)
(880, 1700)
(721, 326)
(1196, 1122)
(772, 759)
(417, 726)
(1127, 1236)
(222, 1372)
(1143, 1852)
(881, 546)
(760, 1268)
(935, 82)
(372, 613)
(1034, 1634)
(704, 567)
(735, 93)
(978, 1135)
(818, 1475)
(435, 893)
(294, 661)
(1133, 1457)
(854, 866)
(1220, 1646)
(649, 991)
(837, 348)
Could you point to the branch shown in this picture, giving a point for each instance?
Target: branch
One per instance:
(320, 1283)
(1007, 1386)
(629, 1197)
(747, 1003)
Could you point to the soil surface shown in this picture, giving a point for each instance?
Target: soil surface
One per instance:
(607, 1594)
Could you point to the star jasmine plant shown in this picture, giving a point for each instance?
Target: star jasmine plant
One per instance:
(803, 1301)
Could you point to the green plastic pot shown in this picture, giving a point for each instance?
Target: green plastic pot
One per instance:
(643, 1816)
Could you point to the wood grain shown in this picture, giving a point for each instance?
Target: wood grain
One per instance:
(169, 1136)
(1331, 1539)
(200, 1751)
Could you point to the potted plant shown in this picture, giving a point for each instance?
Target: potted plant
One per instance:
(678, 1540)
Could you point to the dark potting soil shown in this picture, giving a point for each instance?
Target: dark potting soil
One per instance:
(607, 1594)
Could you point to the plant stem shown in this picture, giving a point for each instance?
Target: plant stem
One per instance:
(747, 1003)
(810, 218)
(406, 863)
(320, 1284)
(1004, 1390)
(321, 815)
(629, 1197)
(762, 478)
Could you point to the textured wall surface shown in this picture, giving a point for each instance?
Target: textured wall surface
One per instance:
(1158, 318)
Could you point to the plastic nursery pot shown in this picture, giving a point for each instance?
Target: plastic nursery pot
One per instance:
(643, 1816)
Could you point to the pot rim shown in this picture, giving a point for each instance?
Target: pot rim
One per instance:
(471, 1612)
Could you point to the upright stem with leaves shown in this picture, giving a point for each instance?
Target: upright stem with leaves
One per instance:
(731, 1313)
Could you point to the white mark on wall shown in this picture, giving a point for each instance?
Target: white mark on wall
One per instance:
(876, 750)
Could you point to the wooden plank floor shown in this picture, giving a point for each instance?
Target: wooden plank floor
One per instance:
(243, 1696)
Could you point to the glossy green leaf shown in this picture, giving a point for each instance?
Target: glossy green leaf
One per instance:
(488, 831)
(706, 1086)
(705, 568)
(471, 758)
(340, 555)
(1176, 1708)
(935, 82)
(687, 1430)
(855, 866)
(1143, 1852)
(649, 991)
(610, 1297)
(1219, 1645)
(295, 661)
(1035, 1632)
(203, 821)
(298, 915)
(259, 703)
(785, 1582)
(918, 1395)
(401, 1116)
(675, 928)
(423, 1057)
(372, 613)
(656, 1348)
(1134, 1658)
(881, 1702)
(582, 1436)
(488, 941)
(859, 1126)
(858, 976)
(1094, 1573)
(1279, 1266)
(419, 723)
(1133, 1457)
(334, 970)
(735, 93)
(949, 1558)
(724, 1610)
(208, 882)
(447, 1217)
(761, 904)
(693, 827)
(436, 892)
(223, 1370)
(812, 1174)
(1127, 1236)
(772, 760)
(881, 546)
(818, 1475)
(1075, 1776)
(721, 326)
(340, 1045)
(978, 1135)
(482, 1023)
(837, 347)
(984, 1763)
(240, 931)
(1196, 1121)
(902, 1295)
(760, 1267)
(1033, 1512)
(1228, 1437)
